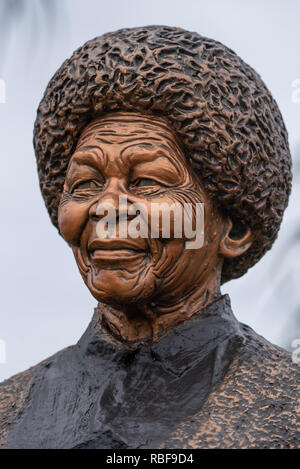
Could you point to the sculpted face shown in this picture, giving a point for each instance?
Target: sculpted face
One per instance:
(140, 157)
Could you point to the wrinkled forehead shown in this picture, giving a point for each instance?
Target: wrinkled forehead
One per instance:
(126, 127)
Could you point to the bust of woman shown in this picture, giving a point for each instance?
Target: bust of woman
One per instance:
(159, 118)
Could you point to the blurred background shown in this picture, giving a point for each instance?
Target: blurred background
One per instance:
(44, 304)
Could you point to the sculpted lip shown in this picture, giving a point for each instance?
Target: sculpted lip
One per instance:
(115, 244)
(116, 255)
(115, 250)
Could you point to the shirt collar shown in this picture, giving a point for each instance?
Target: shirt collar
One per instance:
(178, 350)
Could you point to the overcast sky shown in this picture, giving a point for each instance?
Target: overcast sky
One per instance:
(44, 304)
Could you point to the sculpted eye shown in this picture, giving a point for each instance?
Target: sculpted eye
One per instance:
(142, 182)
(87, 185)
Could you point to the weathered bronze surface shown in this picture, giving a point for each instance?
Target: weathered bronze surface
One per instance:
(160, 115)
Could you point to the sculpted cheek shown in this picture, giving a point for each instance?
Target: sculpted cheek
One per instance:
(72, 217)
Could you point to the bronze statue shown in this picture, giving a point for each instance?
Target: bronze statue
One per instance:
(160, 115)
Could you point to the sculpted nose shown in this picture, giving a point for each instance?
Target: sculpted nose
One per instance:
(113, 203)
(108, 202)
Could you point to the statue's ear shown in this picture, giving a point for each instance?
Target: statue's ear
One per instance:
(236, 240)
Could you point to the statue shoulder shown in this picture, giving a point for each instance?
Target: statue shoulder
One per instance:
(13, 392)
(256, 405)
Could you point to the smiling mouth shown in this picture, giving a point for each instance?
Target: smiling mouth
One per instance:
(114, 251)
(116, 254)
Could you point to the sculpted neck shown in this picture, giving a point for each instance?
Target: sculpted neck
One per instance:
(143, 323)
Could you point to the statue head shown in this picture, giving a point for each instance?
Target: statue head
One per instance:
(160, 114)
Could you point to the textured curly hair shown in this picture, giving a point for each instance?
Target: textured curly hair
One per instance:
(228, 122)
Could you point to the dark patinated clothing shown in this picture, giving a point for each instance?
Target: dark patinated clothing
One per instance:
(209, 383)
